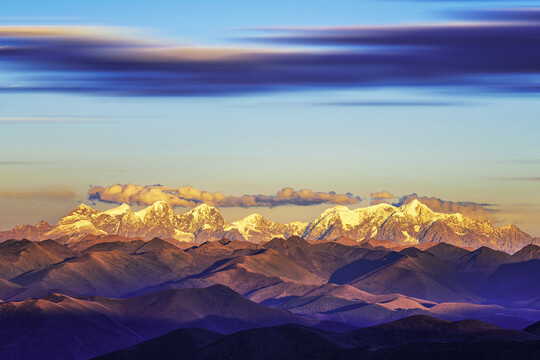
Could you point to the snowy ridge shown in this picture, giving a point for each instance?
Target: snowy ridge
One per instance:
(412, 223)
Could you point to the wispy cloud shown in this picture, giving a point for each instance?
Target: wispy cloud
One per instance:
(520, 178)
(381, 197)
(7, 119)
(492, 52)
(394, 103)
(518, 161)
(38, 194)
(188, 196)
(16, 163)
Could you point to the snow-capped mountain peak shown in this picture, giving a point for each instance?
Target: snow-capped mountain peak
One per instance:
(203, 218)
(411, 223)
(416, 209)
(83, 209)
(250, 219)
(159, 208)
(118, 210)
(203, 210)
(347, 216)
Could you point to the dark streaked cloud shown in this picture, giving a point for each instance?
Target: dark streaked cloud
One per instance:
(518, 13)
(394, 103)
(470, 209)
(490, 55)
(188, 196)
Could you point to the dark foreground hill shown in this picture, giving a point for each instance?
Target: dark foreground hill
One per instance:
(330, 281)
(62, 327)
(417, 337)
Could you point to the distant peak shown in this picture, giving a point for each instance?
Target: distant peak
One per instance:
(250, 219)
(83, 207)
(381, 205)
(158, 206)
(118, 210)
(160, 203)
(204, 213)
(337, 210)
(414, 203)
(414, 208)
(202, 208)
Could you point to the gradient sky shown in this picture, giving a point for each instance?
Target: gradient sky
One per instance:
(458, 143)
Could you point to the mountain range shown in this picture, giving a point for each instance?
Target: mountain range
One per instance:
(370, 283)
(79, 299)
(412, 223)
(359, 285)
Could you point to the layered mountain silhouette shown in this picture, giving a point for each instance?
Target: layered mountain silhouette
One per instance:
(61, 327)
(358, 285)
(412, 223)
(80, 297)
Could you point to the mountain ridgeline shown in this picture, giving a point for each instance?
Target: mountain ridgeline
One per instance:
(412, 223)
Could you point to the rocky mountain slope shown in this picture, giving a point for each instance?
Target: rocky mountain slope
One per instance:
(132, 290)
(357, 285)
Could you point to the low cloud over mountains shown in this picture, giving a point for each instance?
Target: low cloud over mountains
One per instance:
(470, 209)
(188, 196)
(381, 197)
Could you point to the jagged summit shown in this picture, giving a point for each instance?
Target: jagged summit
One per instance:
(82, 209)
(416, 208)
(253, 217)
(202, 207)
(158, 206)
(347, 216)
(118, 210)
(337, 209)
(203, 210)
(412, 223)
(413, 208)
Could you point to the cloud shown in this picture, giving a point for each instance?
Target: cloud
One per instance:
(42, 194)
(381, 197)
(48, 120)
(11, 163)
(470, 209)
(394, 103)
(520, 178)
(496, 51)
(188, 196)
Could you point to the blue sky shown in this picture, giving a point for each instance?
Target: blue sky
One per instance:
(469, 145)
